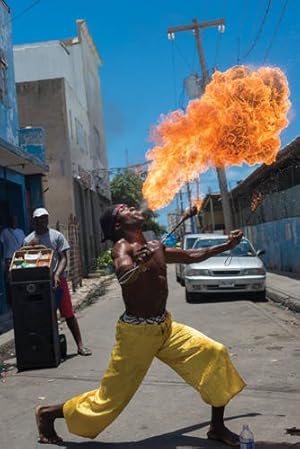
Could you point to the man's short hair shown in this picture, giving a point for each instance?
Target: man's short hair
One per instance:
(108, 220)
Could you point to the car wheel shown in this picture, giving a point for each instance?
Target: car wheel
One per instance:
(182, 283)
(189, 296)
(261, 296)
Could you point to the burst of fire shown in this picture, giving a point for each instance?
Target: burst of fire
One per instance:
(237, 120)
(198, 203)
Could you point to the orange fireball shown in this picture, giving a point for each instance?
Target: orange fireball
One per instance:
(238, 120)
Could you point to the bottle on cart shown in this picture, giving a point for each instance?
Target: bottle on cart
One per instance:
(246, 438)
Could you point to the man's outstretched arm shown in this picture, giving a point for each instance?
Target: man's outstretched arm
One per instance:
(177, 255)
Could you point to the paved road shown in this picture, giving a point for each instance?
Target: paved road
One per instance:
(263, 341)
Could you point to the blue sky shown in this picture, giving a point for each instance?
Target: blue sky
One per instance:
(143, 72)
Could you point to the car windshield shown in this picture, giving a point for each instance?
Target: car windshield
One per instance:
(243, 249)
(190, 242)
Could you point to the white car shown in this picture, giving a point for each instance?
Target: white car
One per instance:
(237, 270)
(188, 242)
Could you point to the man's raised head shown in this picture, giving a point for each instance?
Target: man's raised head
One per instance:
(108, 221)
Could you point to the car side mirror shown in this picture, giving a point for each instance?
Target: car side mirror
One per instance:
(260, 252)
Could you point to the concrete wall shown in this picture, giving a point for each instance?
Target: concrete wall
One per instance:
(276, 228)
(281, 240)
(43, 103)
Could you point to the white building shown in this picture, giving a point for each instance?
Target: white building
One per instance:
(58, 88)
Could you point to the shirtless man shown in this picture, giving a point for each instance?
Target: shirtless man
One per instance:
(146, 330)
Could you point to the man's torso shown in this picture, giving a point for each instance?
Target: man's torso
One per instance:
(51, 239)
(147, 295)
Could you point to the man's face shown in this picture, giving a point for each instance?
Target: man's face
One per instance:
(41, 224)
(129, 216)
(13, 222)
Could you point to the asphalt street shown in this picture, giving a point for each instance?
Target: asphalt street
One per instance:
(263, 341)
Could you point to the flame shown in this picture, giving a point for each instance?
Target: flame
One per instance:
(198, 203)
(237, 120)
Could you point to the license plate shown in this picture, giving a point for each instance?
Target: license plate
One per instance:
(226, 284)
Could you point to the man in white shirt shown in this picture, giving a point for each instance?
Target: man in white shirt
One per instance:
(51, 238)
(11, 239)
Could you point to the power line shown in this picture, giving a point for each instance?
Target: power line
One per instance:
(259, 30)
(217, 51)
(190, 66)
(219, 39)
(276, 30)
(24, 11)
(240, 28)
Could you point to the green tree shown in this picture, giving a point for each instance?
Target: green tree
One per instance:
(126, 187)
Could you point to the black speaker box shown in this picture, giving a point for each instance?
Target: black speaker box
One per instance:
(35, 325)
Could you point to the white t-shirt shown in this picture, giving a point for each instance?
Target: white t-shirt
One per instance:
(51, 239)
(12, 240)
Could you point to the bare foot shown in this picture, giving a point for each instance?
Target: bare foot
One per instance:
(224, 435)
(45, 425)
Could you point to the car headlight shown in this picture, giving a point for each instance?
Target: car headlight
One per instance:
(196, 272)
(253, 271)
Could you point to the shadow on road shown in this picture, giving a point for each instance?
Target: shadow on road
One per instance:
(226, 297)
(177, 439)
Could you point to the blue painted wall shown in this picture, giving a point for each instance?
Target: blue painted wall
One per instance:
(13, 184)
(32, 141)
(12, 190)
(9, 124)
(281, 240)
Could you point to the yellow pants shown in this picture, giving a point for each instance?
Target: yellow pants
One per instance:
(200, 361)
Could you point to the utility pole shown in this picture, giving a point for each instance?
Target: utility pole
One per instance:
(181, 211)
(212, 212)
(195, 27)
(190, 205)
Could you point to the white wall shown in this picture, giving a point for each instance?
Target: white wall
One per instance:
(78, 63)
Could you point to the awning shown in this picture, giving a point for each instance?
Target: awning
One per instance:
(14, 158)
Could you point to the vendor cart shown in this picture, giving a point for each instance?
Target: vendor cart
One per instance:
(34, 309)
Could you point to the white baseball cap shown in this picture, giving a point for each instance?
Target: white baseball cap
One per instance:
(39, 212)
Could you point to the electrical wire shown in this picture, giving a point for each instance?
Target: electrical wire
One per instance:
(24, 11)
(240, 28)
(276, 30)
(189, 65)
(258, 34)
(217, 51)
(219, 39)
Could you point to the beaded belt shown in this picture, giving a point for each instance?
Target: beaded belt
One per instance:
(131, 319)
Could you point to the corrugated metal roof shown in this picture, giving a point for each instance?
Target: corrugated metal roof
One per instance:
(289, 153)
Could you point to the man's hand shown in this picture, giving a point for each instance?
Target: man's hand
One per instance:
(234, 238)
(56, 280)
(143, 255)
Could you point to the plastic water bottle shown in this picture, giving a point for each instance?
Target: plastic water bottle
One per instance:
(246, 438)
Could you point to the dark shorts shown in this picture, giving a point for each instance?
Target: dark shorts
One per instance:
(65, 305)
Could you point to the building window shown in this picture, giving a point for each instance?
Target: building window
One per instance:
(80, 135)
(71, 123)
(3, 75)
(97, 143)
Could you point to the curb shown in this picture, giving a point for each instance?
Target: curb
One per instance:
(291, 303)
